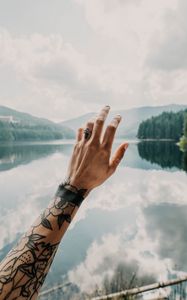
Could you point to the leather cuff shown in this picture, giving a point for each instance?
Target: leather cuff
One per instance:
(75, 197)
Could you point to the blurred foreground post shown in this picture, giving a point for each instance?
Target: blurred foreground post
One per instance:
(128, 294)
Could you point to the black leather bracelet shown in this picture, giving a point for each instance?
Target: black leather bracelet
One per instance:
(65, 193)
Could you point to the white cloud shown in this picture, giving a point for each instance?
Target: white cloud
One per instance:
(128, 45)
(56, 74)
(103, 257)
(169, 51)
(140, 30)
(144, 244)
(29, 57)
(140, 187)
(23, 208)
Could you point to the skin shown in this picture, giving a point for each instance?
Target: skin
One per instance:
(23, 270)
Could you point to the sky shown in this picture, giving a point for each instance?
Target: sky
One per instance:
(60, 59)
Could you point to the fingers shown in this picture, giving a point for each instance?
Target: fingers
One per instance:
(79, 134)
(110, 132)
(99, 123)
(117, 157)
(89, 125)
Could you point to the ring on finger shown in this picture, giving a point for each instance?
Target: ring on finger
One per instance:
(87, 133)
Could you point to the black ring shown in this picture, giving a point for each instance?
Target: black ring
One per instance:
(87, 133)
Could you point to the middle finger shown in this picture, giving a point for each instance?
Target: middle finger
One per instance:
(99, 123)
(110, 132)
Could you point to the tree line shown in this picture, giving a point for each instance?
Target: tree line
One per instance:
(20, 132)
(168, 125)
(165, 154)
(183, 140)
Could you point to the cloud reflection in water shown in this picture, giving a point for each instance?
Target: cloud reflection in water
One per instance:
(136, 217)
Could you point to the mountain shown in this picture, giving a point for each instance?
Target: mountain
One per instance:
(25, 118)
(26, 126)
(131, 118)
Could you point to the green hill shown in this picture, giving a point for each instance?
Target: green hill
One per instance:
(131, 118)
(183, 140)
(168, 125)
(24, 126)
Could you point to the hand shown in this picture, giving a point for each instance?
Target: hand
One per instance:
(90, 164)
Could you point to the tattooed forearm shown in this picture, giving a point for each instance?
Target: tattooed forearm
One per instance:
(24, 269)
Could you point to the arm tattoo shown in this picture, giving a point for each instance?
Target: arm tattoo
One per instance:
(24, 269)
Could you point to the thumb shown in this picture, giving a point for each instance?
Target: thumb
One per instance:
(117, 157)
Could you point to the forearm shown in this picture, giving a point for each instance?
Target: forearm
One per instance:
(24, 269)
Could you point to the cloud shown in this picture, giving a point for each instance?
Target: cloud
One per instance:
(54, 72)
(21, 209)
(104, 255)
(140, 187)
(170, 45)
(149, 243)
(119, 60)
(150, 41)
(167, 224)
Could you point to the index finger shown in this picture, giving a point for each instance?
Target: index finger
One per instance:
(99, 123)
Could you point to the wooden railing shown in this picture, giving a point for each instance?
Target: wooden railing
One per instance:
(140, 290)
(126, 294)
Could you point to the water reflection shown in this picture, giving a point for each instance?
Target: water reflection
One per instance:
(13, 155)
(136, 219)
(165, 154)
(143, 155)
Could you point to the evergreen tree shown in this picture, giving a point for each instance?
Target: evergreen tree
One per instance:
(168, 125)
(185, 126)
(25, 132)
(5, 132)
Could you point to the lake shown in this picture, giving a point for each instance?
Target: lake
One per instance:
(137, 219)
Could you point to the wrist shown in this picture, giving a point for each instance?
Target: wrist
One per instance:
(66, 195)
(76, 187)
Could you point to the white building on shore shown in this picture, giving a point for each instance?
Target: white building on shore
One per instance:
(8, 119)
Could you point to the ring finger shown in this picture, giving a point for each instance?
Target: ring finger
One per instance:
(89, 126)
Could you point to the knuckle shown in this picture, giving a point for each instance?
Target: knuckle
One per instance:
(92, 144)
(105, 146)
(104, 152)
(92, 147)
(106, 149)
(89, 124)
(99, 121)
(111, 127)
(77, 146)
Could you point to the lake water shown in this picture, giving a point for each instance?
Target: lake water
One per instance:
(138, 218)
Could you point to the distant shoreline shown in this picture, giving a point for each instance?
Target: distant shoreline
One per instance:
(72, 141)
(159, 140)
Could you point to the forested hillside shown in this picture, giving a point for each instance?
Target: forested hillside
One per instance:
(168, 125)
(131, 118)
(183, 141)
(26, 127)
(19, 132)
